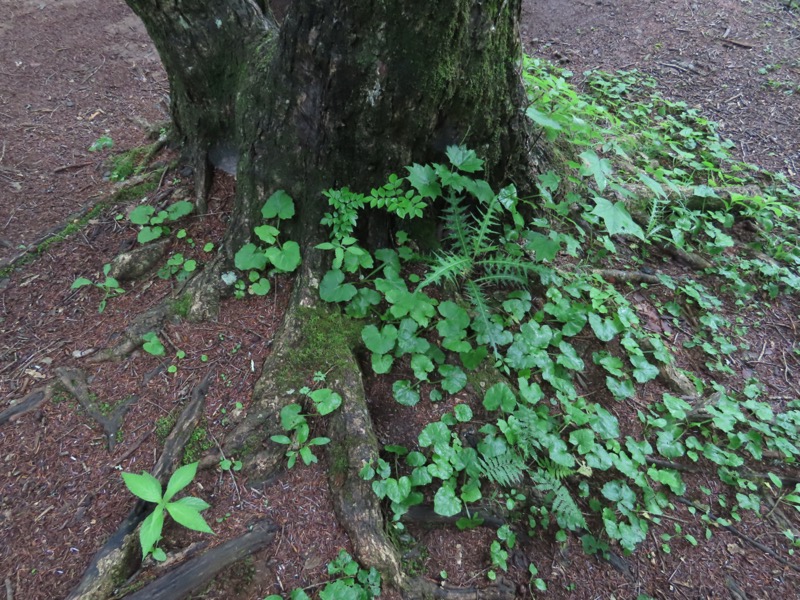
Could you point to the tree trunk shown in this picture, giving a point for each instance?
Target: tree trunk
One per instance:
(342, 93)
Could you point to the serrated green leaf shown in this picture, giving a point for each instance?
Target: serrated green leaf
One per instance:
(599, 168)
(421, 365)
(267, 233)
(260, 287)
(677, 407)
(544, 248)
(551, 126)
(620, 388)
(463, 159)
(423, 179)
(616, 218)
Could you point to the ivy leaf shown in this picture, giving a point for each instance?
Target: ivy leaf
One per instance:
(583, 439)
(332, 290)
(599, 168)
(421, 365)
(445, 502)
(643, 371)
(616, 218)
(621, 389)
(500, 396)
(454, 379)
(405, 393)
(543, 247)
(286, 258)
(379, 341)
(250, 257)
(463, 159)
(604, 329)
(280, 205)
(423, 179)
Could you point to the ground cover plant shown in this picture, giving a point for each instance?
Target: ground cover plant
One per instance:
(554, 362)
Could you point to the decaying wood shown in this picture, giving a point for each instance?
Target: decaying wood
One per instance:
(197, 572)
(120, 556)
(76, 383)
(27, 404)
(676, 381)
(627, 276)
(131, 338)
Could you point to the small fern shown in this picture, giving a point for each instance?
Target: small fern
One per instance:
(564, 508)
(505, 470)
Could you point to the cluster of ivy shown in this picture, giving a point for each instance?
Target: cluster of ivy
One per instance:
(518, 295)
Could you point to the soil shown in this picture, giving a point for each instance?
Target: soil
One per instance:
(76, 70)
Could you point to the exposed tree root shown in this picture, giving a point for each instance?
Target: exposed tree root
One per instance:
(422, 589)
(120, 556)
(196, 573)
(353, 445)
(27, 404)
(76, 383)
(131, 338)
(676, 381)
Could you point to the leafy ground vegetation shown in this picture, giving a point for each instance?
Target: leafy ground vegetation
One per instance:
(564, 382)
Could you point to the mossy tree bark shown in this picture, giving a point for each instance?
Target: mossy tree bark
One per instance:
(342, 92)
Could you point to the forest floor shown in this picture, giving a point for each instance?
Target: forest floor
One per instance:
(74, 71)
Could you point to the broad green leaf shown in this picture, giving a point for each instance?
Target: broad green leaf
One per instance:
(332, 289)
(267, 233)
(188, 516)
(569, 357)
(180, 479)
(604, 329)
(677, 407)
(382, 363)
(291, 416)
(286, 258)
(152, 345)
(326, 400)
(148, 234)
(179, 210)
(421, 365)
(249, 257)
(445, 502)
(616, 218)
(434, 434)
(500, 396)
(462, 412)
(560, 454)
(543, 247)
(423, 179)
(405, 393)
(550, 126)
(280, 205)
(643, 371)
(141, 214)
(473, 358)
(453, 378)
(583, 439)
(463, 159)
(150, 531)
(281, 439)
(604, 423)
(79, 283)
(143, 486)
(612, 364)
(197, 504)
(307, 455)
(260, 287)
(620, 388)
(599, 168)
(379, 341)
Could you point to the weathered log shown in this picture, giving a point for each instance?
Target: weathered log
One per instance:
(120, 555)
(197, 572)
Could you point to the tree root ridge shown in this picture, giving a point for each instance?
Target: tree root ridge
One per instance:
(76, 382)
(196, 573)
(131, 338)
(120, 555)
(34, 399)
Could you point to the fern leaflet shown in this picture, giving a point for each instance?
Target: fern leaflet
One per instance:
(505, 470)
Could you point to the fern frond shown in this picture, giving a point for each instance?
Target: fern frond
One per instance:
(556, 470)
(504, 270)
(483, 313)
(446, 267)
(457, 226)
(486, 228)
(566, 511)
(505, 470)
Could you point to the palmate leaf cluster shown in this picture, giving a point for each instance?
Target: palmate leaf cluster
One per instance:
(513, 299)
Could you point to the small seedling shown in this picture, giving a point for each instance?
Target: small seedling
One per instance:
(152, 345)
(101, 143)
(153, 224)
(185, 511)
(230, 464)
(110, 286)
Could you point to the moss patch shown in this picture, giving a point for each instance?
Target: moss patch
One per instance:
(197, 445)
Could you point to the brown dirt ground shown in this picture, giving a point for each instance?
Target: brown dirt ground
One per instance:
(74, 70)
